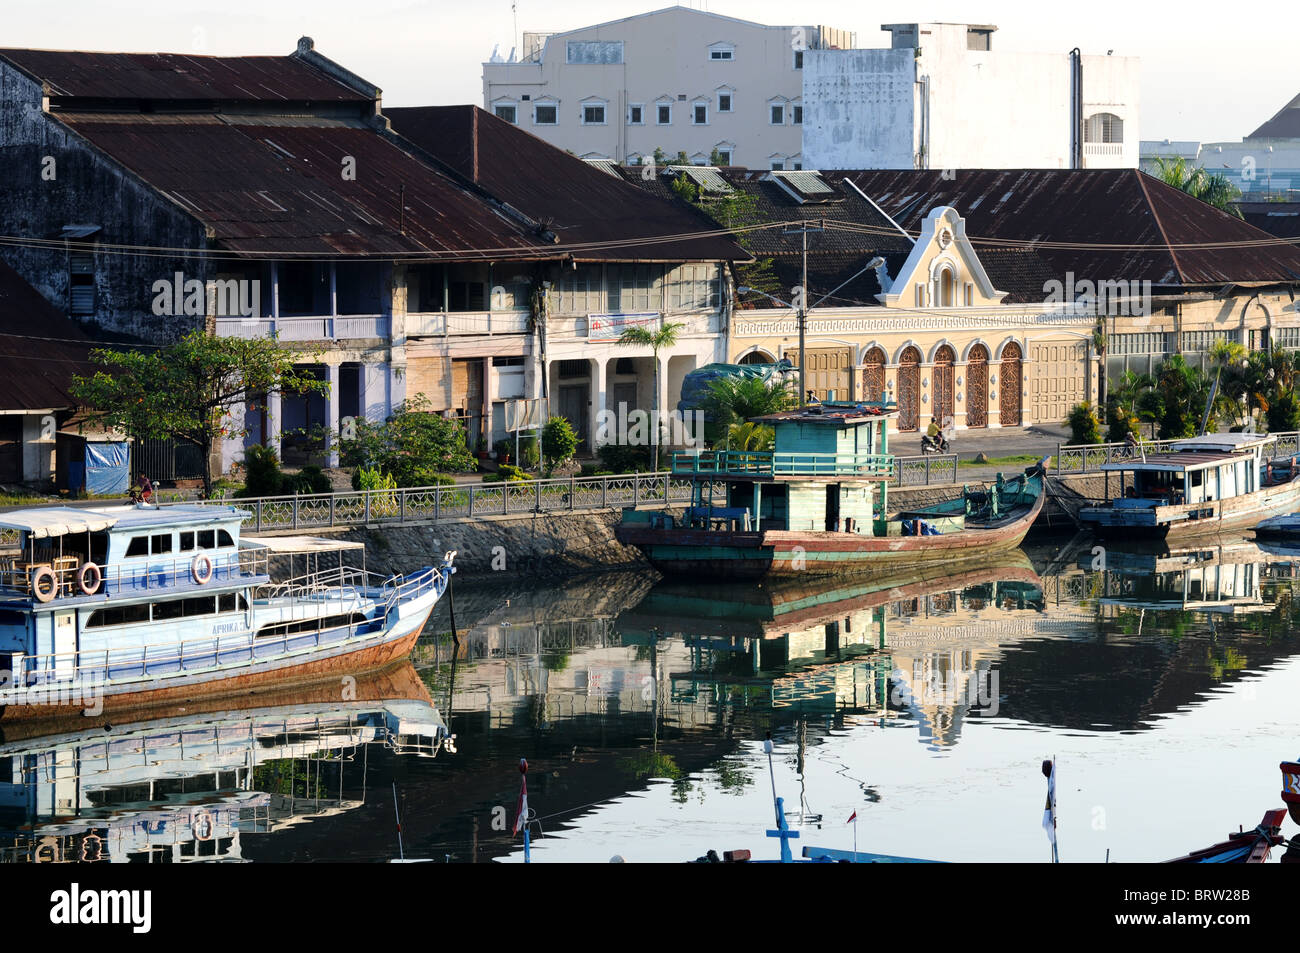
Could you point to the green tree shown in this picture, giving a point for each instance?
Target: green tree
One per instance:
(1183, 392)
(1211, 188)
(414, 445)
(736, 398)
(750, 436)
(656, 340)
(188, 390)
(559, 442)
(1083, 423)
(1124, 410)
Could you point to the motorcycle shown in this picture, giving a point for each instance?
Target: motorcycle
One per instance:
(937, 444)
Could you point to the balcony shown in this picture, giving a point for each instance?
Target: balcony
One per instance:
(313, 328)
(439, 323)
(763, 464)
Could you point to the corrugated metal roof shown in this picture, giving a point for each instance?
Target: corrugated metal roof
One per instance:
(575, 201)
(705, 178)
(281, 188)
(1088, 206)
(41, 349)
(180, 77)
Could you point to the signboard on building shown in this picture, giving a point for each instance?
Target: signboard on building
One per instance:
(608, 327)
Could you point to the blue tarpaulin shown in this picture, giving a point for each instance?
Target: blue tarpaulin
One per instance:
(108, 468)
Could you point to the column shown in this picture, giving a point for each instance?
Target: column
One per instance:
(272, 436)
(664, 433)
(332, 412)
(599, 403)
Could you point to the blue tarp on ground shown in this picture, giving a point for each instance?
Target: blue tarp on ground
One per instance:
(108, 468)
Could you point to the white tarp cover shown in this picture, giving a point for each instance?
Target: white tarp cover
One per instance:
(292, 545)
(56, 521)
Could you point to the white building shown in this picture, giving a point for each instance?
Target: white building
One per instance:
(940, 98)
(677, 79)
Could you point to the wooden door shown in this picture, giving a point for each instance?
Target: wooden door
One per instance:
(1010, 385)
(943, 390)
(873, 374)
(909, 389)
(977, 387)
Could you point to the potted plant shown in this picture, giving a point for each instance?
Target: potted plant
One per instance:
(503, 451)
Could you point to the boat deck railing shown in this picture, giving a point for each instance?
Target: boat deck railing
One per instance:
(760, 463)
(1084, 457)
(144, 575)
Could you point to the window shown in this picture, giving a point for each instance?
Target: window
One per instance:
(160, 544)
(664, 114)
(232, 602)
(545, 114)
(797, 165)
(798, 59)
(776, 163)
(777, 114)
(796, 114)
(207, 539)
(724, 156)
(634, 287)
(595, 52)
(700, 114)
(636, 114)
(724, 102)
(580, 290)
(970, 294)
(722, 53)
(139, 546)
(574, 368)
(593, 114)
(1103, 127)
(118, 615)
(223, 538)
(81, 284)
(693, 287)
(187, 541)
(506, 111)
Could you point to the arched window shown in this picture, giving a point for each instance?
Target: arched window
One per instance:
(944, 283)
(1103, 127)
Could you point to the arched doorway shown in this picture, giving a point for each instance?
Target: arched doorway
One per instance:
(1010, 385)
(758, 357)
(909, 389)
(873, 374)
(943, 402)
(977, 387)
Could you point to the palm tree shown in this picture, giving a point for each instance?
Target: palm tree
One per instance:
(734, 399)
(665, 336)
(750, 436)
(1211, 188)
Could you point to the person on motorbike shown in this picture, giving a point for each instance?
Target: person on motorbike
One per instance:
(934, 438)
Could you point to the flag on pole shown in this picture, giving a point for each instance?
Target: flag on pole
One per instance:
(521, 819)
(1049, 809)
(853, 818)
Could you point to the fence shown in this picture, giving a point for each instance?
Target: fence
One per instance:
(474, 500)
(1082, 457)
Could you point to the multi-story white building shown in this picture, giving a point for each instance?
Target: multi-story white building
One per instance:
(940, 98)
(721, 90)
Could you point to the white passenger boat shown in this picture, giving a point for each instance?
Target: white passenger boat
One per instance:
(1203, 485)
(128, 606)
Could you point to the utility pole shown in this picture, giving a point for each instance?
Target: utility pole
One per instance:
(803, 306)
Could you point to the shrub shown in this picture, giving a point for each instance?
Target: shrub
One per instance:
(559, 442)
(310, 479)
(262, 474)
(529, 452)
(1283, 413)
(504, 447)
(621, 458)
(508, 474)
(1083, 423)
(413, 446)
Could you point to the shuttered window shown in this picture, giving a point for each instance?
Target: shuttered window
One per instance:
(81, 284)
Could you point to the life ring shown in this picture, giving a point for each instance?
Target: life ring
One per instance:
(201, 569)
(89, 576)
(201, 825)
(44, 577)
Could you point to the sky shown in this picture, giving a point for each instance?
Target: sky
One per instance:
(1206, 75)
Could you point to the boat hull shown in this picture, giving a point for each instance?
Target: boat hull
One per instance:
(746, 555)
(347, 659)
(1191, 520)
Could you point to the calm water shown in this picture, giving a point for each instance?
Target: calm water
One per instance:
(1166, 686)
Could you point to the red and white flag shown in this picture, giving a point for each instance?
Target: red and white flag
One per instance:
(853, 818)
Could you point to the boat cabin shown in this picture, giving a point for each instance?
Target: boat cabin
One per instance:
(827, 472)
(1196, 470)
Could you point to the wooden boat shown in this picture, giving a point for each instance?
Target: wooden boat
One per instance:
(1291, 788)
(121, 607)
(818, 505)
(1204, 485)
(1243, 847)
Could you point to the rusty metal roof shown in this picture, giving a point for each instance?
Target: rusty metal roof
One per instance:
(576, 201)
(266, 186)
(40, 348)
(180, 77)
(1284, 124)
(1088, 206)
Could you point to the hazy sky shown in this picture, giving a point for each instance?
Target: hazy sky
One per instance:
(1206, 74)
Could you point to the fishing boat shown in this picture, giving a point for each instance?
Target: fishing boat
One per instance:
(1202, 485)
(1243, 847)
(127, 606)
(817, 504)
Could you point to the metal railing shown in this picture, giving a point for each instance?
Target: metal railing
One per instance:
(766, 463)
(145, 574)
(926, 469)
(1083, 457)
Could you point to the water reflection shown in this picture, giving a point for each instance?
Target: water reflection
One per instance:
(922, 702)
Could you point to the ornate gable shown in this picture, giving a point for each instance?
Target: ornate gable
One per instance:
(943, 271)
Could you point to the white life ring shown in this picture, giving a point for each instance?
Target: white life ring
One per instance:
(201, 569)
(44, 575)
(89, 576)
(201, 825)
